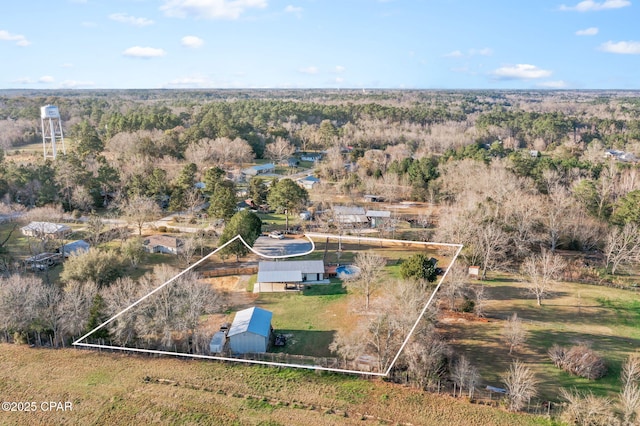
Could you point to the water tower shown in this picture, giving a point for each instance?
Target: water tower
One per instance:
(51, 131)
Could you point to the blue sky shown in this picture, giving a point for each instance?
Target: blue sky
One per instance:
(424, 44)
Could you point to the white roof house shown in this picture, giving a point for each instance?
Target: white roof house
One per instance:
(250, 331)
(308, 182)
(45, 230)
(293, 271)
(75, 248)
(259, 169)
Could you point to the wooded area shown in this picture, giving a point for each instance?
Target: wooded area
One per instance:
(539, 186)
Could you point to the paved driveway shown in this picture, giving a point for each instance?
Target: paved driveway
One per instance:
(274, 247)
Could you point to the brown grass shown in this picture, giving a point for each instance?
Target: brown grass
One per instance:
(108, 388)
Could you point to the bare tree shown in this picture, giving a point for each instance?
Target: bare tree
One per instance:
(368, 279)
(383, 339)
(95, 227)
(480, 299)
(455, 286)
(622, 246)
(558, 209)
(513, 333)
(118, 296)
(541, 272)
(197, 298)
(279, 151)
(17, 303)
(188, 249)
(587, 409)
(426, 357)
(139, 209)
(50, 312)
(630, 394)
(465, 375)
(349, 344)
(521, 385)
(77, 303)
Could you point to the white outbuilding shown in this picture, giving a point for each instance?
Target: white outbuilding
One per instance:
(250, 331)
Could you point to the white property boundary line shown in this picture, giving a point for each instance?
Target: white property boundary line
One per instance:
(79, 343)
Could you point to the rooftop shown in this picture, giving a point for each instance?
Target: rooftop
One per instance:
(253, 320)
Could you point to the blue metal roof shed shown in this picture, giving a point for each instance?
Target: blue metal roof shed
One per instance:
(250, 331)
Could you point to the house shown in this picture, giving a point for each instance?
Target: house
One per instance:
(377, 217)
(162, 244)
(45, 230)
(75, 248)
(250, 331)
(626, 157)
(260, 169)
(354, 216)
(312, 156)
(246, 204)
(308, 182)
(290, 273)
(293, 162)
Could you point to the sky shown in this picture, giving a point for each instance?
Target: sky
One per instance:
(394, 44)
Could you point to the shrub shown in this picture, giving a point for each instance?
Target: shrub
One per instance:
(579, 360)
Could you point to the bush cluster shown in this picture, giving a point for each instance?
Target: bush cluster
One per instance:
(579, 360)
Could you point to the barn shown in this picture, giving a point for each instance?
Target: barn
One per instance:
(250, 331)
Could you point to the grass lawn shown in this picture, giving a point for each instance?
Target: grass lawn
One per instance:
(311, 317)
(114, 388)
(605, 318)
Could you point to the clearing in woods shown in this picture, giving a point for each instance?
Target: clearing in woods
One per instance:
(232, 291)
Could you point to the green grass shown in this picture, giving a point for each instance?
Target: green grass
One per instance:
(273, 221)
(311, 317)
(605, 318)
(252, 282)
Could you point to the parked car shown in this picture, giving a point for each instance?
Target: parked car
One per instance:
(276, 234)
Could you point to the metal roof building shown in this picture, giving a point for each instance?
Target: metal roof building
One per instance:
(77, 247)
(45, 230)
(250, 331)
(293, 271)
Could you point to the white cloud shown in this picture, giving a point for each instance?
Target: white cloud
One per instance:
(293, 9)
(46, 79)
(338, 80)
(558, 84)
(481, 52)
(339, 69)
(210, 9)
(520, 72)
(191, 42)
(590, 5)
(144, 52)
(67, 65)
(309, 70)
(621, 47)
(74, 84)
(454, 54)
(587, 31)
(130, 20)
(18, 38)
